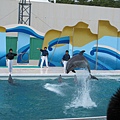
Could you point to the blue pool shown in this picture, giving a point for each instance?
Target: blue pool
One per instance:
(49, 99)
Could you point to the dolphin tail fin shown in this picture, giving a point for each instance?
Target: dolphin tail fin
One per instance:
(67, 71)
(10, 80)
(60, 78)
(73, 71)
(93, 77)
(81, 52)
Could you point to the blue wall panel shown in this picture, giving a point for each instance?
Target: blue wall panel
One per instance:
(2, 49)
(23, 47)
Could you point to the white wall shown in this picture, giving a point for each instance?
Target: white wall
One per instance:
(46, 16)
(8, 12)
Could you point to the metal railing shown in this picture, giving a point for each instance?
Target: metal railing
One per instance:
(85, 118)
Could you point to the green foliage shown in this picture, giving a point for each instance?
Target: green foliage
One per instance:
(65, 1)
(102, 3)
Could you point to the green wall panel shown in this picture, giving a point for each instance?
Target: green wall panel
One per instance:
(11, 42)
(34, 44)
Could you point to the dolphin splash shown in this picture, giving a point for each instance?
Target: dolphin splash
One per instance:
(78, 61)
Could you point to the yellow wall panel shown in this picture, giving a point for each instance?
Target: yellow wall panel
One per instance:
(51, 35)
(71, 40)
(106, 29)
(81, 25)
(83, 36)
(67, 31)
(119, 34)
(2, 29)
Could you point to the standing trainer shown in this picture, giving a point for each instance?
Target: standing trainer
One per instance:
(10, 57)
(65, 59)
(44, 56)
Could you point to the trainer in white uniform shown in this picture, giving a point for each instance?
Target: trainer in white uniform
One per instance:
(10, 57)
(44, 56)
(65, 59)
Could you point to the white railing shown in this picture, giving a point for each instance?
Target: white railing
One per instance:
(85, 118)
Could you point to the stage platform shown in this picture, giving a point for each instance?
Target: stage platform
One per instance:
(51, 72)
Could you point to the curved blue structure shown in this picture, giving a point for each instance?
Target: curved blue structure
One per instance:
(105, 50)
(26, 30)
(62, 40)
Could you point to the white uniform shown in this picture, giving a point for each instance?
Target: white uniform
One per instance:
(10, 57)
(9, 63)
(65, 59)
(44, 58)
(64, 64)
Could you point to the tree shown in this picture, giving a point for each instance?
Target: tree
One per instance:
(65, 1)
(103, 3)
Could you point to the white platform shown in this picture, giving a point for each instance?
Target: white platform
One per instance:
(52, 72)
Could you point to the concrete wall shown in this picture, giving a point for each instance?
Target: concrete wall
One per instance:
(46, 16)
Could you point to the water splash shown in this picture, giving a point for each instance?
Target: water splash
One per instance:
(56, 88)
(82, 97)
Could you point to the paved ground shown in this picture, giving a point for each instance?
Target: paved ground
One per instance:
(35, 70)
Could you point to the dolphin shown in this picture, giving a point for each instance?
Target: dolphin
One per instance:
(78, 61)
(60, 78)
(10, 80)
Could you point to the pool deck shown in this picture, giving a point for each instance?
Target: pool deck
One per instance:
(35, 71)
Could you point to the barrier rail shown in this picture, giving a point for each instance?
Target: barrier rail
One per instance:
(85, 118)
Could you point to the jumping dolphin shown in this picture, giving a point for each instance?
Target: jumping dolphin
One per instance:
(78, 61)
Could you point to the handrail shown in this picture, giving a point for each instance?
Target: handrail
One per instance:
(85, 118)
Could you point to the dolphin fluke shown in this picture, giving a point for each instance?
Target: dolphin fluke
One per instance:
(60, 78)
(93, 77)
(10, 80)
(73, 71)
(81, 52)
(69, 71)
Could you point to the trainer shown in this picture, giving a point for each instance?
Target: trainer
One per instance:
(44, 56)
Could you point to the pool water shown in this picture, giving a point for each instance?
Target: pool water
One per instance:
(49, 99)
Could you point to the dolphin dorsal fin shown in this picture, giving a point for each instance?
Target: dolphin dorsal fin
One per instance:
(81, 52)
